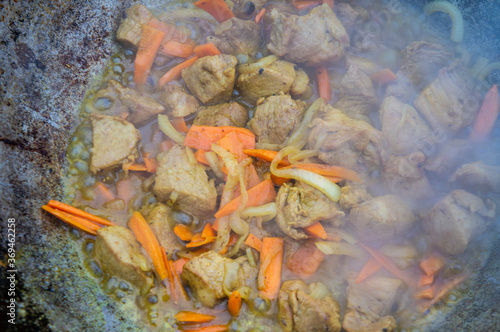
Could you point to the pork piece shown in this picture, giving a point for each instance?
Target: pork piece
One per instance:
(130, 31)
(301, 206)
(370, 303)
(229, 114)
(420, 62)
(270, 79)
(353, 194)
(301, 83)
(119, 254)
(245, 9)
(290, 36)
(211, 78)
(404, 130)
(450, 155)
(405, 176)
(344, 141)
(236, 36)
(456, 220)
(114, 142)
(357, 95)
(276, 118)
(177, 101)
(449, 103)
(381, 219)
(302, 308)
(161, 222)
(351, 15)
(206, 274)
(189, 183)
(478, 176)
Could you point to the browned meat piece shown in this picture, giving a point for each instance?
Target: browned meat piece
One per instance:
(353, 194)
(178, 102)
(230, 114)
(370, 303)
(301, 83)
(301, 206)
(276, 118)
(450, 155)
(206, 274)
(245, 9)
(300, 311)
(184, 183)
(478, 176)
(236, 36)
(114, 142)
(344, 141)
(130, 31)
(405, 176)
(351, 15)
(404, 130)
(211, 78)
(162, 224)
(449, 103)
(357, 95)
(420, 63)
(456, 220)
(290, 36)
(367, 66)
(381, 219)
(119, 254)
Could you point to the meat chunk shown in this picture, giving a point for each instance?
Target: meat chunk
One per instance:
(478, 176)
(381, 219)
(119, 254)
(161, 222)
(130, 31)
(449, 103)
(302, 308)
(404, 130)
(290, 36)
(208, 274)
(236, 36)
(405, 176)
(114, 142)
(301, 206)
(456, 220)
(245, 9)
(370, 303)
(229, 114)
(450, 155)
(276, 118)
(351, 15)
(353, 194)
(301, 83)
(185, 183)
(178, 102)
(211, 78)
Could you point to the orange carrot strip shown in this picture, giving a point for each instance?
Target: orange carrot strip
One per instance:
(175, 72)
(426, 280)
(432, 264)
(272, 252)
(179, 124)
(178, 282)
(211, 328)
(201, 158)
(278, 181)
(198, 240)
(148, 240)
(207, 49)
(305, 4)
(383, 77)
(426, 294)
(486, 117)
(171, 31)
(149, 44)
(217, 8)
(254, 242)
(327, 170)
(251, 177)
(323, 83)
(329, 2)
(183, 232)
(170, 277)
(193, 317)
(166, 145)
(443, 290)
(138, 168)
(70, 220)
(179, 264)
(176, 48)
(368, 270)
(215, 225)
(125, 189)
(77, 212)
(105, 191)
(260, 15)
(202, 137)
(306, 260)
(267, 155)
(316, 230)
(231, 143)
(234, 303)
(258, 195)
(151, 165)
(208, 231)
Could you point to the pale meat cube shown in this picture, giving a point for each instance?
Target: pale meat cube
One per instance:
(228, 114)
(178, 102)
(130, 31)
(236, 36)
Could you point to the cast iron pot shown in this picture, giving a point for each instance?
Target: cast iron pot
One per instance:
(49, 52)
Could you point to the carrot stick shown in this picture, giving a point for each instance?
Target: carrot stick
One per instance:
(202, 137)
(70, 220)
(383, 77)
(426, 294)
(175, 72)
(432, 264)
(151, 165)
(254, 242)
(234, 303)
(258, 195)
(323, 83)
(316, 230)
(426, 280)
(267, 155)
(486, 117)
(104, 191)
(368, 270)
(171, 31)
(166, 145)
(306, 260)
(305, 4)
(177, 281)
(251, 177)
(231, 143)
(208, 231)
(260, 15)
(149, 44)
(207, 49)
(178, 49)
(217, 8)
(201, 158)
(328, 170)
(271, 259)
(183, 232)
(169, 273)
(193, 317)
(179, 124)
(179, 264)
(138, 168)
(125, 189)
(148, 240)
(211, 328)
(329, 2)
(198, 243)
(77, 212)
(443, 290)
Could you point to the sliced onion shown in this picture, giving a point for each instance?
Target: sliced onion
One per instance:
(398, 251)
(298, 138)
(483, 73)
(251, 258)
(340, 248)
(480, 64)
(213, 162)
(266, 211)
(457, 28)
(252, 67)
(318, 290)
(294, 159)
(191, 157)
(347, 237)
(167, 128)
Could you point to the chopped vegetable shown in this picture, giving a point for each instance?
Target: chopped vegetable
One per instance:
(488, 114)
(179, 264)
(254, 242)
(323, 83)
(171, 282)
(151, 164)
(383, 77)
(125, 189)
(260, 15)
(340, 248)
(104, 191)
(183, 232)
(305, 4)
(316, 230)
(87, 227)
(267, 155)
(426, 294)
(198, 241)
(368, 270)
(432, 264)
(178, 49)
(193, 317)
(175, 73)
(443, 290)
(178, 282)
(457, 28)
(167, 128)
(327, 170)
(201, 157)
(202, 137)
(426, 280)
(266, 211)
(149, 44)
(207, 49)
(77, 212)
(271, 258)
(251, 177)
(217, 8)
(137, 167)
(234, 303)
(179, 124)
(306, 260)
(208, 231)
(166, 145)
(211, 328)
(171, 31)
(298, 138)
(232, 143)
